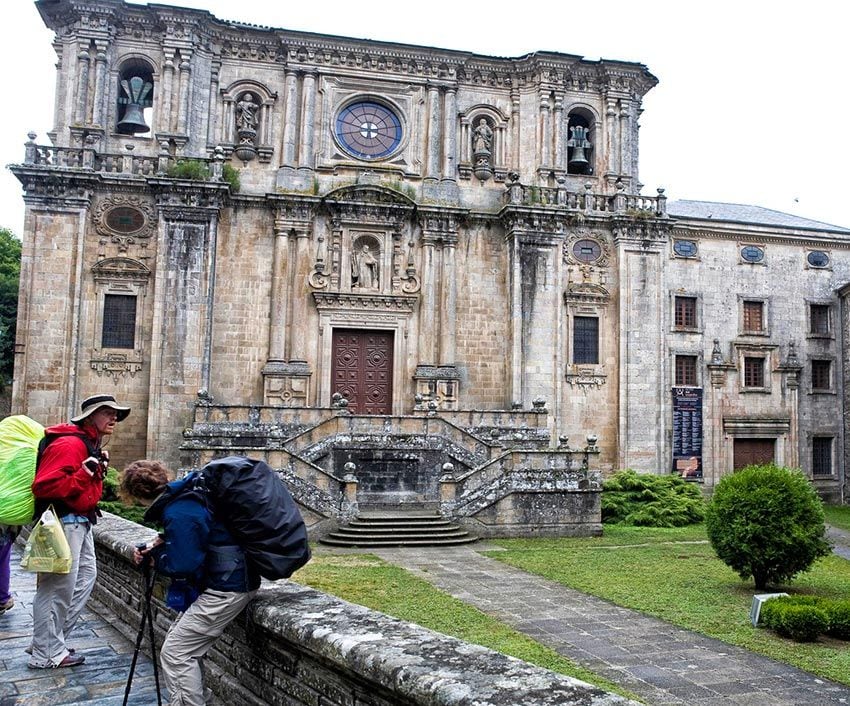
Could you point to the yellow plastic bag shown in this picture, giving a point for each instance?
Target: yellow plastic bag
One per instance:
(47, 549)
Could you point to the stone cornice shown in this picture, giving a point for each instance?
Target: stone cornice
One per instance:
(364, 302)
(763, 234)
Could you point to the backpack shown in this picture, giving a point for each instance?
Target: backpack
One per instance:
(19, 441)
(22, 442)
(249, 498)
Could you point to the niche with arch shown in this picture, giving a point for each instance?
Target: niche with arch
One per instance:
(581, 151)
(134, 111)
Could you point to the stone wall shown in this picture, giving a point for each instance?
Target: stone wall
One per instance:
(295, 645)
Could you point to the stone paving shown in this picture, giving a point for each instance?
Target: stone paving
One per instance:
(659, 662)
(101, 680)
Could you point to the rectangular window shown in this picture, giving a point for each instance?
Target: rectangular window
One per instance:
(754, 316)
(685, 315)
(753, 372)
(686, 371)
(119, 321)
(819, 319)
(585, 340)
(821, 374)
(822, 456)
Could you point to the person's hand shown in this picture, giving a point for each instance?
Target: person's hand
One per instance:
(141, 551)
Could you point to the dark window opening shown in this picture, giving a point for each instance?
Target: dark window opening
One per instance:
(686, 371)
(754, 316)
(822, 456)
(135, 98)
(753, 372)
(819, 319)
(685, 312)
(585, 340)
(821, 374)
(579, 145)
(119, 321)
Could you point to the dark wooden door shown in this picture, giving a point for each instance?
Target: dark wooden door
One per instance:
(752, 451)
(362, 370)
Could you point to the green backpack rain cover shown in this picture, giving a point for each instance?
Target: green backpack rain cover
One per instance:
(19, 439)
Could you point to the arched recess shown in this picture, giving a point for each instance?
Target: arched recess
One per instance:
(497, 122)
(582, 132)
(135, 83)
(230, 98)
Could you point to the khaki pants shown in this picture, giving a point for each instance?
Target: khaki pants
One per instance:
(61, 598)
(191, 637)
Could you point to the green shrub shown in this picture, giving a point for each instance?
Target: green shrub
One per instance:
(110, 502)
(193, 169)
(231, 176)
(766, 523)
(802, 623)
(839, 619)
(648, 500)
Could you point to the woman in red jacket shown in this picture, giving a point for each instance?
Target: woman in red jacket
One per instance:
(69, 477)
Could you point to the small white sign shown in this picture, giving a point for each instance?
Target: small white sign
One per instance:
(758, 599)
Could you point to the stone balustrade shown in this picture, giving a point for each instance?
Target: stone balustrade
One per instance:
(619, 203)
(297, 646)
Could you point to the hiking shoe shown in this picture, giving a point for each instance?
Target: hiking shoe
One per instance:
(7, 606)
(69, 661)
(28, 650)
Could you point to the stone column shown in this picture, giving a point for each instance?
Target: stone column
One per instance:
(81, 114)
(183, 96)
(215, 105)
(433, 144)
(448, 305)
(99, 86)
(545, 158)
(287, 158)
(625, 141)
(306, 158)
(450, 136)
(298, 299)
(515, 153)
(560, 143)
(427, 330)
(612, 130)
(165, 113)
(279, 296)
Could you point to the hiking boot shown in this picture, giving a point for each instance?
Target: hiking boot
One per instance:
(69, 661)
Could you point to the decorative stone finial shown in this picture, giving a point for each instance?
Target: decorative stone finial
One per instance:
(792, 360)
(716, 353)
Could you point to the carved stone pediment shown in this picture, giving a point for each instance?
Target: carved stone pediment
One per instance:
(373, 204)
(337, 301)
(586, 293)
(120, 268)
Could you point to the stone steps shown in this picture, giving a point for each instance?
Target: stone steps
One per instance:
(384, 529)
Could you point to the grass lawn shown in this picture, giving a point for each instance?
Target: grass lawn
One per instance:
(838, 516)
(673, 574)
(369, 581)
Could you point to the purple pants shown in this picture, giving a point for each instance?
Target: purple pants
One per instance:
(6, 539)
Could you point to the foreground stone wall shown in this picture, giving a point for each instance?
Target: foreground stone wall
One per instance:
(295, 645)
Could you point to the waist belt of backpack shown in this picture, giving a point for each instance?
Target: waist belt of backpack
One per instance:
(225, 559)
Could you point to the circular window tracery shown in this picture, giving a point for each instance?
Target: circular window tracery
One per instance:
(587, 250)
(817, 258)
(368, 130)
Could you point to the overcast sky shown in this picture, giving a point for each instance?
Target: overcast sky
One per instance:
(753, 104)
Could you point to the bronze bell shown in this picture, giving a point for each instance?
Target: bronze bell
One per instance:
(137, 91)
(579, 142)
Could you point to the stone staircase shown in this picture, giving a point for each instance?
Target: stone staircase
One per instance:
(394, 529)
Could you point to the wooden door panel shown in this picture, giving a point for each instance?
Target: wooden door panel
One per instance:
(362, 369)
(753, 451)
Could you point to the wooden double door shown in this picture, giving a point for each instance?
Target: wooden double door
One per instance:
(753, 451)
(362, 369)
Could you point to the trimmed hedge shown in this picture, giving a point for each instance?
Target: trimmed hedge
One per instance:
(649, 500)
(803, 618)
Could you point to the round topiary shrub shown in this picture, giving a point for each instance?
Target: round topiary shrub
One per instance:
(839, 619)
(802, 623)
(767, 523)
(648, 500)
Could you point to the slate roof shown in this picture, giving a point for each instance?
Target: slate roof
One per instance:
(744, 213)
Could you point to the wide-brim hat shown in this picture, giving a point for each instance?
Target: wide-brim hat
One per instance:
(91, 404)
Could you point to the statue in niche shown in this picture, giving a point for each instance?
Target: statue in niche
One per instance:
(364, 268)
(246, 113)
(482, 138)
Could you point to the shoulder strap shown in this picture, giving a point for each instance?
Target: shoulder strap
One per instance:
(91, 446)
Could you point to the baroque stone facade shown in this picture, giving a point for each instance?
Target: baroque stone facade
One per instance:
(416, 232)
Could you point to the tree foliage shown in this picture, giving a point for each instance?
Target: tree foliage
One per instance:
(645, 499)
(767, 523)
(10, 269)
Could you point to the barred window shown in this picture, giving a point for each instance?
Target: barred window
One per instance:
(686, 370)
(585, 340)
(822, 456)
(821, 374)
(685, 315)
(754, 316)
(819, 319)
(753, 372)
(119, 321)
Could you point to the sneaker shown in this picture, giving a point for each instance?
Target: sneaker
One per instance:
(28, 650)
(7, 606)
(69, 661)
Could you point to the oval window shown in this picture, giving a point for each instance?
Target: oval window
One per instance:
(818, 258)
(124, 219)
(587, 250)
(685, 248)
(368, 130)
(752, 253)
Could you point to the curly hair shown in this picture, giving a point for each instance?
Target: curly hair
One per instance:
(143, 481)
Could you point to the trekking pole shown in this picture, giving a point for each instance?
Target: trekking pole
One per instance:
(147, 617)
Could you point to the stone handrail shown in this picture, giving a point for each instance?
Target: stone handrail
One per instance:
(619, 203)
(299, 646)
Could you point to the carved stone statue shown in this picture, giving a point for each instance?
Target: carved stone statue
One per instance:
(364, 269)
(246, 113)
(482, 138)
